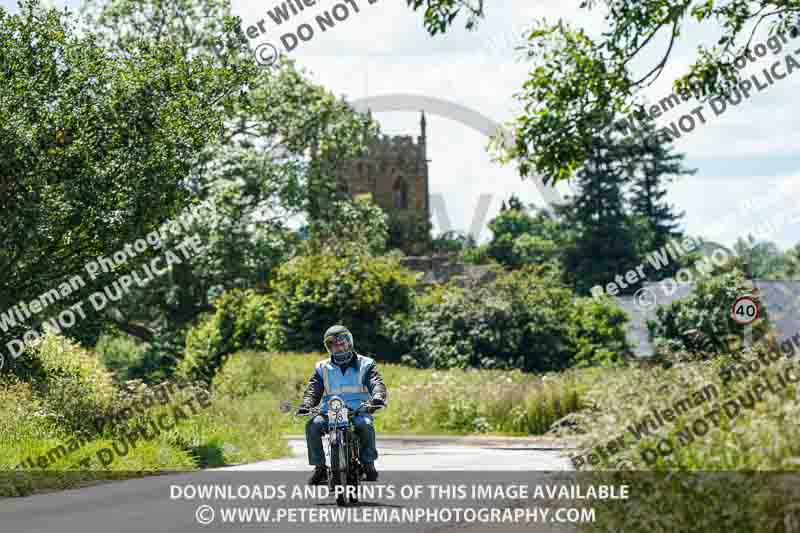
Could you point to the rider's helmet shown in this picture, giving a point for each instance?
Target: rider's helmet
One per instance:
(339, 342)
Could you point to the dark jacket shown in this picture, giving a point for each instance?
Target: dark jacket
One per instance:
(372, 380)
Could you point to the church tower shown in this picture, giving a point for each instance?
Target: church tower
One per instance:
(422, 158)
(394, 172)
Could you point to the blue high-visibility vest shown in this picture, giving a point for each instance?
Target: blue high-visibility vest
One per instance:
(350, 386)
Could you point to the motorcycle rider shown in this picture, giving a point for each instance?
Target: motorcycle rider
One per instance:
(355, 379)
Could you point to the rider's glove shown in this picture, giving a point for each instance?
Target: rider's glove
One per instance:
(303, 410)
(378, 401)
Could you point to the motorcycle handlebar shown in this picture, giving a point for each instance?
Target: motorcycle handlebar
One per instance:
(316, 410)
(368, 405)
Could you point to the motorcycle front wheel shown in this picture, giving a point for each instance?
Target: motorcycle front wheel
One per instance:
(354, 473)
(339, 465)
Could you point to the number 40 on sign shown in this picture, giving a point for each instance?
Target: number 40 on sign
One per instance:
(745, 310)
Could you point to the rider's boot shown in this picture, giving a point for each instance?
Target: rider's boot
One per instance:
(320, 475)
(371, 473)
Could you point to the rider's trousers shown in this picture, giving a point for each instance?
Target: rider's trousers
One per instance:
(363, 427)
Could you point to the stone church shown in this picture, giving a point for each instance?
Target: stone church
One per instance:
(393, 171)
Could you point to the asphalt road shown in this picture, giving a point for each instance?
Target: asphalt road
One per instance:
(442, 453)
(162, 503)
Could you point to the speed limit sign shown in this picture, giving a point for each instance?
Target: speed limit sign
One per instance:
(745, 310)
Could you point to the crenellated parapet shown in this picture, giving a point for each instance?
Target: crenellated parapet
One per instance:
(394, 147)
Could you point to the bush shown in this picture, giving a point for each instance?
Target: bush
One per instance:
(523, 319)
(246, 373)
(120, 354)
(72, 384)
(701, 322)
(477, 255)
(529, 249)
(229, 430)
(162, 355)
(598, 332)
(307, 296)
(311, 293)
(239, 322)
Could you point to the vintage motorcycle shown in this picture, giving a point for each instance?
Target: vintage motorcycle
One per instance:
(344, 468)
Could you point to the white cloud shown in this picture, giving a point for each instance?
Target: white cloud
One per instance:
(723, 209)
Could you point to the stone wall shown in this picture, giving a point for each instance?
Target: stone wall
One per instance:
(444, 268)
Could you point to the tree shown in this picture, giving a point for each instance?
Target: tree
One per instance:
(272, 163)
(452, 241)
(94, 147)
(580, 83)
(532, 249)
(514, 203)
(791, 264)
(360, 227)
(309, 293)
(521, 236)
(603, 243)
(654, 166)
(194, 27)
(439, 14)
(506, 227)
(409, 231)
(765, 258)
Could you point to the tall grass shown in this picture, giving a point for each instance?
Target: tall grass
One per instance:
(719, 481)
(764, 437)
(48, 410)
(243, 422)
(25, 427)
(426, 401)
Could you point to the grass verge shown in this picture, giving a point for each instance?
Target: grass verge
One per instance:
(715, 460)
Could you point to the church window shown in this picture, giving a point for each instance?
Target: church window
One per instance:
(400, 194)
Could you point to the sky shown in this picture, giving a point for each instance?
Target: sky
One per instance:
(747, 158)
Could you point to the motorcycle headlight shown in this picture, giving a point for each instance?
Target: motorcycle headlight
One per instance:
(335, 405)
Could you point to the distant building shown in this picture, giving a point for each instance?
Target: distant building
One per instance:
(394, 172)
(780, 298)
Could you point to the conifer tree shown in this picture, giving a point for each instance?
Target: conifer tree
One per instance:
(654, 164)
(603, 243)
